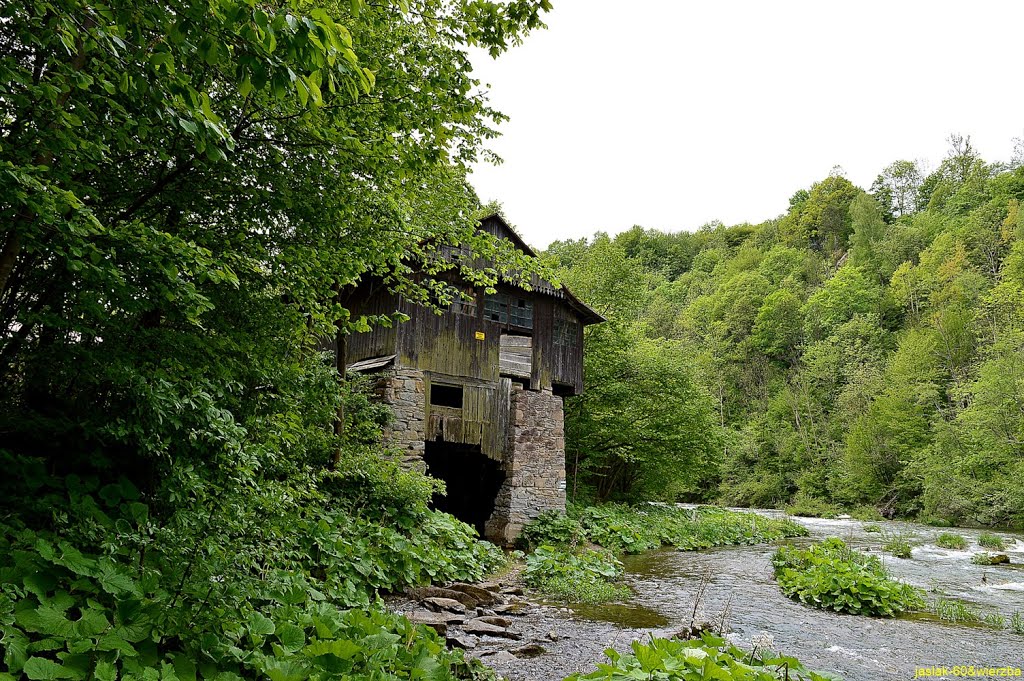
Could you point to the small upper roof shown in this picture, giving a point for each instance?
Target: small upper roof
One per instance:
(496, 225)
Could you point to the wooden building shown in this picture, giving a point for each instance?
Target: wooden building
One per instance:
(477, 391)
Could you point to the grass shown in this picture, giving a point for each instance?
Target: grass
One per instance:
(960, 612)
(991, 541)
(951, 540)
(987, 559)
(1017, 623)
(899, 545)
(873, 527)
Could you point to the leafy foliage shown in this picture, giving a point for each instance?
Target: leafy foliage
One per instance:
(832, 576)
(858, 351)
(578, 576)
(710, 657)
(633, 529)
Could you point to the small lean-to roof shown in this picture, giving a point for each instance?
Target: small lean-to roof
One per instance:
(503, 230)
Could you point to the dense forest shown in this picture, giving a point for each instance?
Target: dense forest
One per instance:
(184, 190)
(864, 349)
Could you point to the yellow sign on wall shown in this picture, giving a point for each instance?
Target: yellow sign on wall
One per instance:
(480, 335)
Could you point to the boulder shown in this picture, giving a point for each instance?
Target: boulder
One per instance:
(482, 596)
(480, 628)
(438, 604)
(529, 650)
(429, 619)
(495, 620)
(464, 642)
(426, 592)
(498, 657)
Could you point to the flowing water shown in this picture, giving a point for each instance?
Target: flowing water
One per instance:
(742, 593)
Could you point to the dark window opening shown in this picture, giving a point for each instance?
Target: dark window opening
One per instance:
(446, 395)
(472, 481)
(566, 331)
(505, 309)
(561, 390)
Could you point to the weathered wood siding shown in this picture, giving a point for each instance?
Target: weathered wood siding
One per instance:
(378, 341)
(516, 356)
(483, 419)
(448, 343)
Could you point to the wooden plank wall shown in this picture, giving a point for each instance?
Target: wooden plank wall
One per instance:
(379, 340)
(483, 419)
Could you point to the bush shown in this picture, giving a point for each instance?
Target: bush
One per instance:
(711, 657)
(873, 527)
(580, 577)
(866, 513)
(830, 575)
(552, 528)
(811, 507)
(950, 540)
(633, 529)
(991, 541)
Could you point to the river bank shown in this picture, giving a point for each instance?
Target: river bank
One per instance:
(733, 587)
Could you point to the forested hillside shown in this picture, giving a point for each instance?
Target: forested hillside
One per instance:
(866, 348)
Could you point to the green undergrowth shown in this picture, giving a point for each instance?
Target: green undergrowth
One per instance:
(561, 566)
(710, 657)
(102, 579)
(634, 529)
(831, 576)
(812, 507)
(577, 576)
(899, 544)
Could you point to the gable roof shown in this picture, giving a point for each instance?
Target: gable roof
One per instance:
(494, 224)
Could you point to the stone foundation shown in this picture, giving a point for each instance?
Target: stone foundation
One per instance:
(534, 461)
(403, 390)
(534, 464)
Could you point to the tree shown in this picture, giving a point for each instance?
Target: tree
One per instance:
(898, 187)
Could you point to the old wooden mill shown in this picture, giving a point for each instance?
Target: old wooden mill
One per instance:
(477, 392)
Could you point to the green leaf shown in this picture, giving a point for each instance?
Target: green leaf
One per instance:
(259, 625)
(105, 671)
(42, 669)
(292, 637)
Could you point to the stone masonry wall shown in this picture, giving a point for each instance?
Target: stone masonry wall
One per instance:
(534, 464)
(403, 390)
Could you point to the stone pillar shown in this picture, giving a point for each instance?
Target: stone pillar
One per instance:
(403, 390)
(534, 465)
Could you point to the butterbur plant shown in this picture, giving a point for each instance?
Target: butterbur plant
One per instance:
(710, 657)
(832, 576)
(582, 577)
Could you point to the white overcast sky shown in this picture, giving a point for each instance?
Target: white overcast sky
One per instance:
(670, 114)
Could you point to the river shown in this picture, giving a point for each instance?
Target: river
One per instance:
(739, 590)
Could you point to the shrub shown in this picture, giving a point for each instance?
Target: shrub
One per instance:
(587, 576)
(552, 528)
(710, 657)
(951, 540)
(866, 513)
(991, 541)
(830, 575)
(633, 529)
(811, 507)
